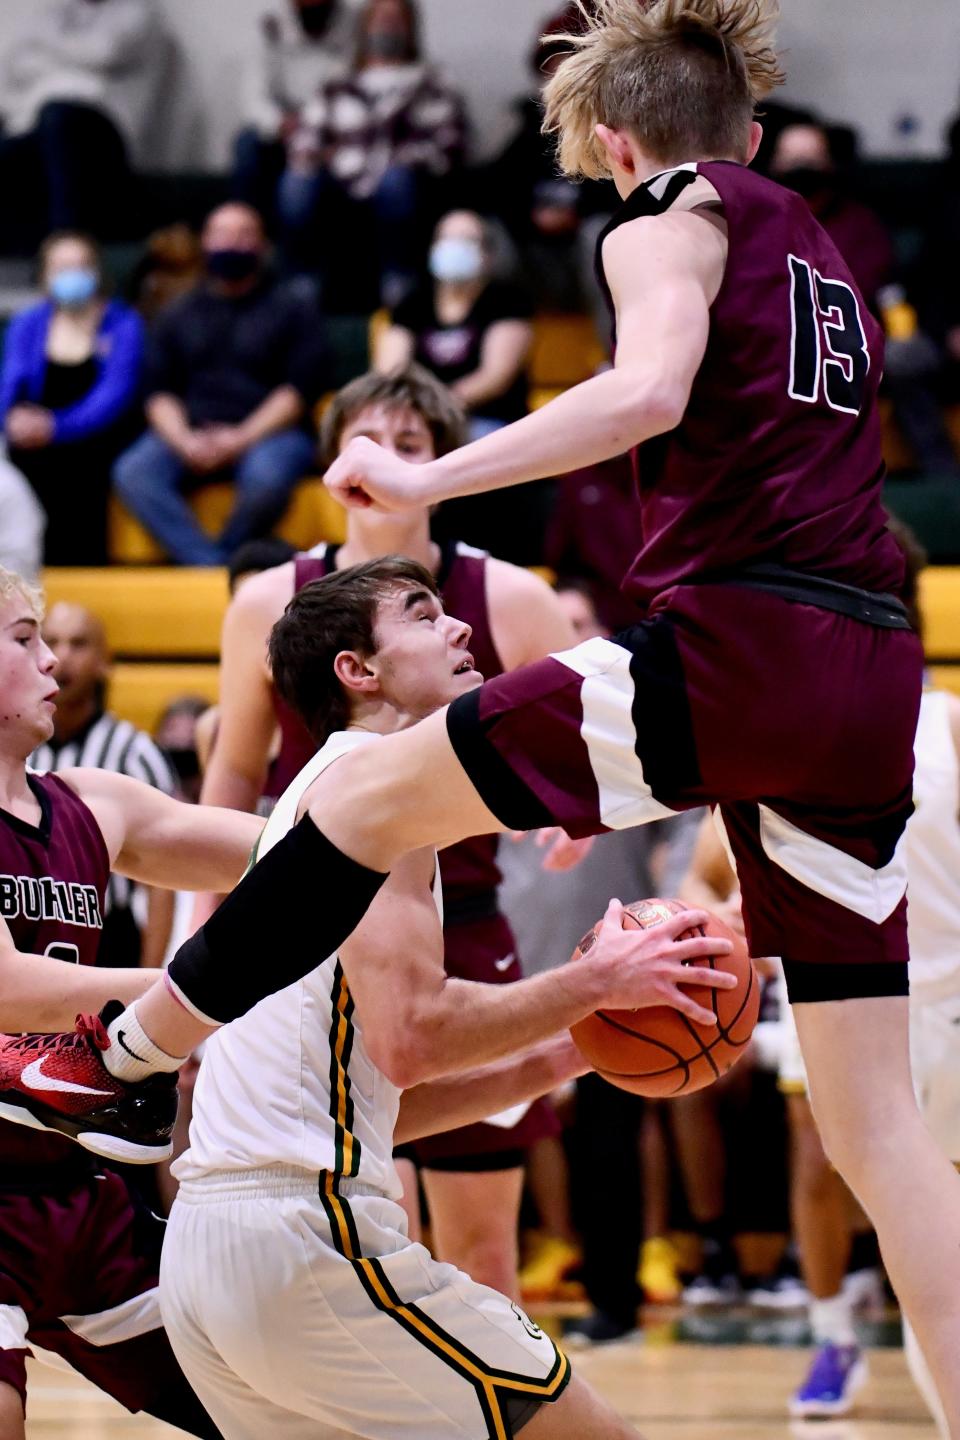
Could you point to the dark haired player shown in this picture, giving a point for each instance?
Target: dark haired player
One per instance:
(79, 1253)
(770, 670)
(473, 1178)
(292, 1292)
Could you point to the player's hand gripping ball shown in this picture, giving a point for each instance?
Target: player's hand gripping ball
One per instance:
(657, 1051)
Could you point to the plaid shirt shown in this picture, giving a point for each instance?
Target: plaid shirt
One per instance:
(362, 125)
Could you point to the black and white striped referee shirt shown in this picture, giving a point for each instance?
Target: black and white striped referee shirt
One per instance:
(108, 743)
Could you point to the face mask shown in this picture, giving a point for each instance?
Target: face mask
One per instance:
(808, 181)
(73, 288)
(456, 260)
(315, 19)
(184, 762)
(232, 264)
(387, 45)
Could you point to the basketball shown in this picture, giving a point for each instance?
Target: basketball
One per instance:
(657, 1051)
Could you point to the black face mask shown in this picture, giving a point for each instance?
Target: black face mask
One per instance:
(315, 19)
(809, 182)
(232, 264)
(384, 45)
(184, 762)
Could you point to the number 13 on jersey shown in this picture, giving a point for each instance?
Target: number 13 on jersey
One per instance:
(828, 341)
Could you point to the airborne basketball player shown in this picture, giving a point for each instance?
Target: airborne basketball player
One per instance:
(292, 1294)
(747, 368)
(473, 1176)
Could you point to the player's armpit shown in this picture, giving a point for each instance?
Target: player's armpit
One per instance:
(473, 1095)
(166, 842)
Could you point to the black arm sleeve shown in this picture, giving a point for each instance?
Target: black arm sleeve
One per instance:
(293, 909)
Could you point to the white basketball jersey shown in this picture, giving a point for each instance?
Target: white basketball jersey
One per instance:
(933, 853)
(291, 1083)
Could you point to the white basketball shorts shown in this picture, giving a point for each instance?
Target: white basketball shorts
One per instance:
(301, 1311)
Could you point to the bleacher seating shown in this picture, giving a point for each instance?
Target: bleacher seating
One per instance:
(566, 350)
(163, 628)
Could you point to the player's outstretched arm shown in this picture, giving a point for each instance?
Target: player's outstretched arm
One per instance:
(166, 842)
(43, 993)
(238, 763)
(471, 1096)
(664, 273)
(419, 1024)
(236, 772)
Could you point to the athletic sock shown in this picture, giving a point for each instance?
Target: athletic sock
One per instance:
(132, 1055)
(831, 1321)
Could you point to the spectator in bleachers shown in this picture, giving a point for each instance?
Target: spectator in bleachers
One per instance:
(815, 161)
(171, 265)
(524, 188)
(77, 94)
(69, 386)
(234, 369)
(943, 249)
(804, 160)
(474, 332)
(366, 163)
(86, 733)
(299, 51)
(22, 523)
(176, 734)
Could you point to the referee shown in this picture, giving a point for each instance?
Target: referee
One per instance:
(87, 734)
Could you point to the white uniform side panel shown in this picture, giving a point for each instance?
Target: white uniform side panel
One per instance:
(933, 854)
(263, 1095)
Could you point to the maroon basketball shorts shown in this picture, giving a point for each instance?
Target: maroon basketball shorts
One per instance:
(79, 1266)
(484, 949)
(796, 722)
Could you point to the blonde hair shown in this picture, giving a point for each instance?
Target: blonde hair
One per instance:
(683, 76)
(15, 587)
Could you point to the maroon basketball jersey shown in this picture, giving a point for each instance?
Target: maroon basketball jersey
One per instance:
(469, 868)
(777, 458)
(53, 878)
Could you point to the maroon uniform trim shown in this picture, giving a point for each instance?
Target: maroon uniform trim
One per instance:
(53, 883)
(797, 721)
(777, 458)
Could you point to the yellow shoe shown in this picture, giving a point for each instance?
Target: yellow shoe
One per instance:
(543, 1275)
(658, 1272)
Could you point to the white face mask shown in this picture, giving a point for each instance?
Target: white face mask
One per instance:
(456, 260)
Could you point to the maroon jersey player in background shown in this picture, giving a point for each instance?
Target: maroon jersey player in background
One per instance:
(472, 1176)
(769, 672)
(79, 1252)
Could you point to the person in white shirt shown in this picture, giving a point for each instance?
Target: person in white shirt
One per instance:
(291, 1292)
(300, 48)
(22, 522)
(78, 91)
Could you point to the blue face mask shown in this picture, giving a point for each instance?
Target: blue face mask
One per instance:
(456, 261)
(73, 288)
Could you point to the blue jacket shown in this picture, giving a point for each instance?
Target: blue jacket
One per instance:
(119, 352)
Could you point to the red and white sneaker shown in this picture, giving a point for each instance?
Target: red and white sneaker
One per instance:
(60, 1083)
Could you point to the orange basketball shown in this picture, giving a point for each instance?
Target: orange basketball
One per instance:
(658, 1052)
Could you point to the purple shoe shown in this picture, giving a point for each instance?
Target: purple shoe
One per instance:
(836, 1374)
